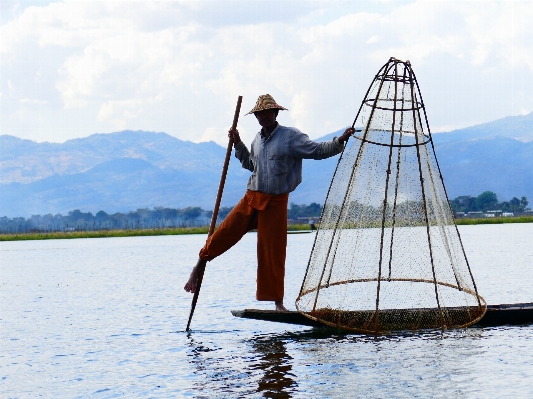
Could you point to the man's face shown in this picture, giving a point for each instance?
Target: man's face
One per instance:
(267, 117)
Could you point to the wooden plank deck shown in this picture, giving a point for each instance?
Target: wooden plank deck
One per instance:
(497, 315)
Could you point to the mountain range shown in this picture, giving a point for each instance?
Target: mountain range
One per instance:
(127, 170)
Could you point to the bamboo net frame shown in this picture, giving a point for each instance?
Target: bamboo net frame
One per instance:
(388, 255)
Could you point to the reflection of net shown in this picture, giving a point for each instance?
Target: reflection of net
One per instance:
(388, 255)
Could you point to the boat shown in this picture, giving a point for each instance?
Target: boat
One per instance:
(496, 315)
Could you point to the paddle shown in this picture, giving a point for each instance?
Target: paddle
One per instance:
(215, 210)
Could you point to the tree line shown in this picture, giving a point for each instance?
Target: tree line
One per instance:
(295, 211)
(161, 218)
(142, 218)
(488, 201)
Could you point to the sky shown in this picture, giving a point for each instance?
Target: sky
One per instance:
(69, 69)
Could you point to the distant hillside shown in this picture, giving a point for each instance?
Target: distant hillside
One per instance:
(498, 164)
(113, 172)
(495, 156)
(470, 162)
(515, 127)
(128, 170)
(25, 161)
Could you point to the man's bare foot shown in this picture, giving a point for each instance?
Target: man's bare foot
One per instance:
(280, 307)
(193, 278)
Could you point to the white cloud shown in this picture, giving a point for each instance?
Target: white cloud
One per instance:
(33, 101)
(179, 66)
(210, 134)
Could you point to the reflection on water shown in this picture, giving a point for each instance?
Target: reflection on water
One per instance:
(105, 318)
(265, 363)
(276, 364)
(327, 364)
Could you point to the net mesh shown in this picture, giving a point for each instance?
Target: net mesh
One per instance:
(388, 255)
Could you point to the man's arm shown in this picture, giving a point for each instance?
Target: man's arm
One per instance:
(303, 147)
(241, 152)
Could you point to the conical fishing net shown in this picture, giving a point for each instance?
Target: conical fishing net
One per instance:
(388, 255)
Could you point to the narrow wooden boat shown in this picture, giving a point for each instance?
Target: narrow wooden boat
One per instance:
(497, 315)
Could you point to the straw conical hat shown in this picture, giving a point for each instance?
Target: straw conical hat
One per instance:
(266, 101)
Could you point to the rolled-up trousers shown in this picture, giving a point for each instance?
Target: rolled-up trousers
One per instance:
(268, 214)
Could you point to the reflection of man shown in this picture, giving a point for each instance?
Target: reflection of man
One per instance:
(275, 160)
(273, 359)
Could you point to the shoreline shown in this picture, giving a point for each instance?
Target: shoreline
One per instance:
(495, 220)
(61, 235)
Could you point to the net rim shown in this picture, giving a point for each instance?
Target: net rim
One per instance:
(393, 145)
(387, 77)
(370, 103)
(402, 279)
(373, 332)
(385, 332)
(481, 303)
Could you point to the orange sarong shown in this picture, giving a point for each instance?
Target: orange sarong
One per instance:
(268, 214)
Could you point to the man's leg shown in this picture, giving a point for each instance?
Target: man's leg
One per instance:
(271, 251)
(240, 220)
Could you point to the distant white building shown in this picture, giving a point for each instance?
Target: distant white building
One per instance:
(495, 213)
(477, 214)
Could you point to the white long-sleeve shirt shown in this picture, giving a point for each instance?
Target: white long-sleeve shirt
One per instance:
(276, 162)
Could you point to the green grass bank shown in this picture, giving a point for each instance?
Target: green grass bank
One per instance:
(203, 230)
(61, 235)
(500, 220)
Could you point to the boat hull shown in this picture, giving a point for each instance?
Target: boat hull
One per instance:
(496, 315)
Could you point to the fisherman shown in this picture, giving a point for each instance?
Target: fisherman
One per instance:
(275, 161)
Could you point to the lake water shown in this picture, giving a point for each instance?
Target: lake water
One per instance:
(105, 318)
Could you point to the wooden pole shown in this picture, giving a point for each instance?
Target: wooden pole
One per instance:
(215, 210)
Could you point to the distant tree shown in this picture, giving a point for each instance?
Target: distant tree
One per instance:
(464, 203)
(77, 215)
(514, 205)
(314, 209)
(191, 212)
(504, 206)
(486, 201)
(102, 216)
(222, 213)
(165, 213)
(295, 211)
(142, 213)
